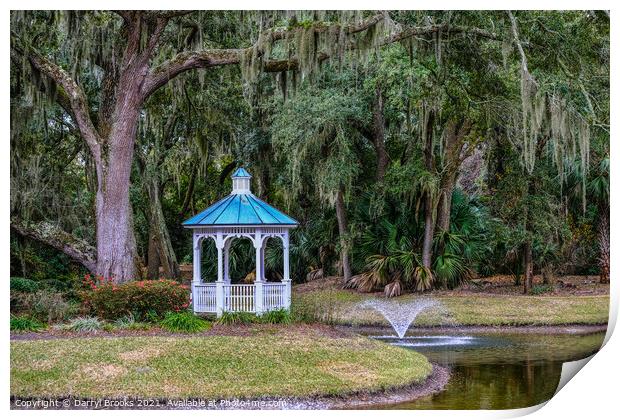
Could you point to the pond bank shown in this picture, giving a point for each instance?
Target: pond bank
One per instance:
(482, 329)
(433, 384)
(289, 364)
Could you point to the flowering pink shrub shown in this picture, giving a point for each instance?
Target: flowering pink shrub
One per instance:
(142, 299)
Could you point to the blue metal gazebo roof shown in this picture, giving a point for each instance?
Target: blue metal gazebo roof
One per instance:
(241, 172)
(241, 208)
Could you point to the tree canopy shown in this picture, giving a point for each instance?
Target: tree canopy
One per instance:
(418, 149)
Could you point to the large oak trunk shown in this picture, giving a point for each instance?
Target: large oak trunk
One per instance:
(117, 256)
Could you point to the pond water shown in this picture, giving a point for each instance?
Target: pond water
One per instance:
(495, 371)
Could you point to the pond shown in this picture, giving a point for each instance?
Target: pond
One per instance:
(495, 370)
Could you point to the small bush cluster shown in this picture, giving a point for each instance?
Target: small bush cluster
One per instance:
(48, 306)
(34, 300)
(24, 323)
(184, 322)
(540, 289)
(22, 285)
(129, 323)
(146, 300)
(83, 324)
(278, 316)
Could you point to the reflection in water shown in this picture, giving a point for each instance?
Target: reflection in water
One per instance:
(494, 371)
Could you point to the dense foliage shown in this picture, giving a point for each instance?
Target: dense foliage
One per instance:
(418, 149)
(144, 300)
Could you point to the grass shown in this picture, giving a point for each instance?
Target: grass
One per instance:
(460, 310)
(286, 364)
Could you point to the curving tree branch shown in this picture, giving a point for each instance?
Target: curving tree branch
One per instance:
(52, 235)
(188, 60)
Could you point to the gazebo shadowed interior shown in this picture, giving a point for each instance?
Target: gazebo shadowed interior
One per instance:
(240, 214)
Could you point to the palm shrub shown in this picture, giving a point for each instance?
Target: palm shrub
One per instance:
(464, 245)
(394, 265)
(184, 322)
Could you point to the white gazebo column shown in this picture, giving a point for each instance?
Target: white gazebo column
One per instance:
(287, 276)
(197, 274)
(196, 279)
(258, 282)
(219, 284)
(262, 259)
(226, 263)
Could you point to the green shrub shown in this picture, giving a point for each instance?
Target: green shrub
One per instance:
(20, 284)
(64, 284)
(83, 324)
(145, 300)
(278, 316)
(230, 318)
(540, 289)
(24, 323)
(48, 306)
(184, 322)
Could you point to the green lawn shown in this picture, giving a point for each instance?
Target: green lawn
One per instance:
(269, 364)
(341, 307)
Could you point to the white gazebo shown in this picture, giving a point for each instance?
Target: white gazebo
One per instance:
(241, 214)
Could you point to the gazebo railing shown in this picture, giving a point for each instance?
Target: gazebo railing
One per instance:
(274, 296)
(203, 296)
(239, 298)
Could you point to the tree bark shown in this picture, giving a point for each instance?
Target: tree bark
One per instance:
(429, 223)
(152, 267)
(455, 153)
(343, 232)
(159, 231)
(603, 241)
(528, 269)
(429, 231)
(117, 255)
(379, 134)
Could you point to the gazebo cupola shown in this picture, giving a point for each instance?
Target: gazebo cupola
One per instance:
(240, 214)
